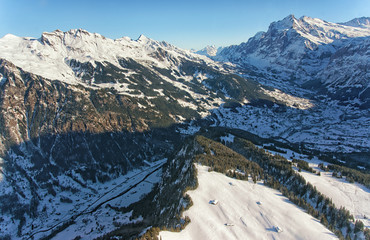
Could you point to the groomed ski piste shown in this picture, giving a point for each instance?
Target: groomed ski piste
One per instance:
(244, 211)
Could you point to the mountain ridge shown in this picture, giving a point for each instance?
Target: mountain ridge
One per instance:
(358, 22)
(58, 46)
(301, 50)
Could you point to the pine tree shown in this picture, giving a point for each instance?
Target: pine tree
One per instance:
(359, 226)
(323, 220)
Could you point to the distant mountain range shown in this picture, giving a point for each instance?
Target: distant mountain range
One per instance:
(329, 57)
(210, 51)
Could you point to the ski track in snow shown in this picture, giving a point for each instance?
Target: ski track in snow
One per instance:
(238, 206)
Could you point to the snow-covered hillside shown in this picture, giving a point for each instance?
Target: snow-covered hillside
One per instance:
(244, 211)
(94, 61)
(353, 196)
(346, 73)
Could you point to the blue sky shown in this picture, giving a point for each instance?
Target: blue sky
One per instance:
(186, 24)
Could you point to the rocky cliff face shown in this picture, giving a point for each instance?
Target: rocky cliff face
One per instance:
(346, 76)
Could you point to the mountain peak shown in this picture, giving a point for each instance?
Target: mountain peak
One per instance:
(286, 23)
(53, 53)
(209, 51)
(301, 24)
(78, 31)
(51, 38)
(59, 32)
(143, 38)
(290, 17)
(9, 36)
(363, 22)
(74, 33)
(55, 33)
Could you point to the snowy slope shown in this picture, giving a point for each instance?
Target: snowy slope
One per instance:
(353, 196)
(239, 205)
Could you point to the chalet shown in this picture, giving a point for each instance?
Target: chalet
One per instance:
(278, 229)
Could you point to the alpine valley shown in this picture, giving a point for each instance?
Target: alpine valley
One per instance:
(102, 138)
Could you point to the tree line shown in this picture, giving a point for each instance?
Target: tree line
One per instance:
(280, 175)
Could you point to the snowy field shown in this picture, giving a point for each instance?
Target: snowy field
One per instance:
(245, 211)
(353, 196)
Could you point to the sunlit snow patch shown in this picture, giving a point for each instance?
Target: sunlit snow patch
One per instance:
(237, 216)
(289, 100)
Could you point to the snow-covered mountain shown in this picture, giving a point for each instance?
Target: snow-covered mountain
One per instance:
(358, 22)
(80, 113)
(210, 51)
(97, 133)
(305, 49)
(51, 55)
(134, 68)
